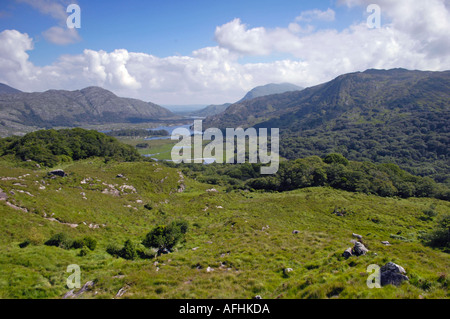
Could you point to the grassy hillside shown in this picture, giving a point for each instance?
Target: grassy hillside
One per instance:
(245, 238)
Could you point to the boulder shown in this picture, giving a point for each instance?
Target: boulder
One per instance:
(386, 243)
(58, 172)
(392, 274)
(359, 249)
(348, 253)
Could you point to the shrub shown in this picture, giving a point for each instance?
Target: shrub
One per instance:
(113, 250)
(60, 240)
(25, 243)
(90, 242)
(77, 243)
(83, 252)
(440, 237)
(166, 237)
(128, 251)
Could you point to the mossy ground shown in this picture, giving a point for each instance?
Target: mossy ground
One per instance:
(229, 231)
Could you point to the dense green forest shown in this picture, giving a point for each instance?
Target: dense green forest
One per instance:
(334, 170)
(49, 147)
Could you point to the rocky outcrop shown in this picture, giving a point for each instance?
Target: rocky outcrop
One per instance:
(392, 274)
(359, 249)
(71, 294)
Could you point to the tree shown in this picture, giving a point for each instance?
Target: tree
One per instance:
(165, 237)
(336, 158)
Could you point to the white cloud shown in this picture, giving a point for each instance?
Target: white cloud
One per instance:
(48, 7)
(412, 37)
(60, 35)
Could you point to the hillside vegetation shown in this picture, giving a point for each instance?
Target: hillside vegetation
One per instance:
(334, 170)
(50, 147)
(236, 245)
(385, 116)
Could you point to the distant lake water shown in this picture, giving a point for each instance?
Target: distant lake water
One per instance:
(170, 129)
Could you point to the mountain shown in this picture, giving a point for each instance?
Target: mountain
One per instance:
(259, 91)
(5, 89)
(396, 115)
(270, 89)
(92, 105)
(211, 110)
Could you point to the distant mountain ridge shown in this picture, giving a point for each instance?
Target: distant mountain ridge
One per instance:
(58, 108)
(268, 89)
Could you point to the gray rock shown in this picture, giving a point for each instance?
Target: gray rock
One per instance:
(71, 294)
(58, 172)
(3, 195)
(258, 297)
(386, 243)
(357, 236)
(348, 253)
(392, 274)
(359, 249)
(296, 232)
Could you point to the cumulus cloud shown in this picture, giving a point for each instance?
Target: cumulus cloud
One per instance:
(60, 35)
(411, 36)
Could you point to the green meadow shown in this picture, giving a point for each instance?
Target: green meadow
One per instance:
(238, 243)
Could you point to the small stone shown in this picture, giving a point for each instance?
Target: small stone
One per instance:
(357, 236)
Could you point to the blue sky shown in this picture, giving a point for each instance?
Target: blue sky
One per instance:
(209, 51)
(162, 28)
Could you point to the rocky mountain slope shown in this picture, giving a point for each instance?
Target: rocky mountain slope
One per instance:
(92, 105)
